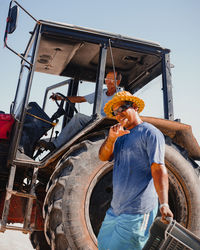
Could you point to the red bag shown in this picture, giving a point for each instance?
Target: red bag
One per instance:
(6, 122)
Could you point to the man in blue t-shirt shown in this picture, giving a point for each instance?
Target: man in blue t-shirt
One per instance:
(139, 175)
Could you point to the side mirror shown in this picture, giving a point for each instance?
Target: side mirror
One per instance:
(12, 19)
(11, 25)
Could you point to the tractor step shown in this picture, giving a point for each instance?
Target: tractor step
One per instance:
(21, 194)
(29, 205)
(7, 227)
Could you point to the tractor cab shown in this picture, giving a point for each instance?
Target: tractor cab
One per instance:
(74, 61)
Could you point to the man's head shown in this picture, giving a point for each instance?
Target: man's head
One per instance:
(123, 100)
(125, 107)
(110, 81)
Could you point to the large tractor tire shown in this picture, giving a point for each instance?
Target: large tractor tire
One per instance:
(184, 195)
(80, 191)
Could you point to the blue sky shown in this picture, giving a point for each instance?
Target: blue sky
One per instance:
(174, 24)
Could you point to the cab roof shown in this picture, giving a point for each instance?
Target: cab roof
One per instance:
(69, 50)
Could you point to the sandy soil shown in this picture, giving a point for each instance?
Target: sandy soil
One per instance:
(14, 240)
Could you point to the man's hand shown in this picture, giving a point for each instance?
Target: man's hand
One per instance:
(106, 149)
(55, 97)
(165, 212)
(117, 130)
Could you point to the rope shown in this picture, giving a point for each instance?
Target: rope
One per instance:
(113, 65)
(39, 118)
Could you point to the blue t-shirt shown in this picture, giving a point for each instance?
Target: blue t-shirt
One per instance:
(134, 153)
(105, 98)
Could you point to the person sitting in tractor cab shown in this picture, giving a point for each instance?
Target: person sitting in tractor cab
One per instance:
(80, 120)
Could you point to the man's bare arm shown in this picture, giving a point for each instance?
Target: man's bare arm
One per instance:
(76, 99)
(161, 183)
(73, 99)
(107, 148)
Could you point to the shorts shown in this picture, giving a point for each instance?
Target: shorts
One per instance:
(126, 231)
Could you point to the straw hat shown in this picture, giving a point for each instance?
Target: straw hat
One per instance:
(123, 96)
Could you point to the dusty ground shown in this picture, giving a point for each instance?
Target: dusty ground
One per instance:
(14, 240)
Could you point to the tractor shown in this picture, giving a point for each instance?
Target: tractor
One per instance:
(60, 197)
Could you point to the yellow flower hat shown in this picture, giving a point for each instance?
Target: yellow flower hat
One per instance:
(123, 96)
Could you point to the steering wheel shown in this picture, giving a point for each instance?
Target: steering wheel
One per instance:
(60, 105)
